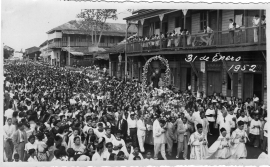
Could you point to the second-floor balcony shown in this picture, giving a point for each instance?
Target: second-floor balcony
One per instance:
(229, 38)
(59, 44)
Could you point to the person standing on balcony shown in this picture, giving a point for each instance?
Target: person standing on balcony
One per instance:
(208, 40)
(256, 23)
(231, 31)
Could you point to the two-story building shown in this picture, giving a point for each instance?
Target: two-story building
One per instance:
(72, 46)
(45, 52)
(202, 51)
(32, 53)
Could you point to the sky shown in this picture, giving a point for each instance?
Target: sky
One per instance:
(25, 22)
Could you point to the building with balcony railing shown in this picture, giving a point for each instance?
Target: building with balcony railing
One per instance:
(72, 46)
(205, 49)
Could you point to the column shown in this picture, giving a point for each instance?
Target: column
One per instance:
(161, 16)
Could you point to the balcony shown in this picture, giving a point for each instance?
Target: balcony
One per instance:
(217, 39)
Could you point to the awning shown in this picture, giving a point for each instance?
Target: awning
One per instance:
(72, 51)
(77, 53)
(102, 57)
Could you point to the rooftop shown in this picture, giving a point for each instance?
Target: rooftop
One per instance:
(74, 25)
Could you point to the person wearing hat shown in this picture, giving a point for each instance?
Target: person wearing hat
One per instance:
(198, 143)
(238, 142)
(220, 149)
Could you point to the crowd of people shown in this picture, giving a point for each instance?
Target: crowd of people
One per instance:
(53, 114)
(182, 37)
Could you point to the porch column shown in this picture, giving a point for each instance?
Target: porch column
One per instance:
(127, 26)
(68, 60)
(217, 27)
(161, 16)
(260, 29)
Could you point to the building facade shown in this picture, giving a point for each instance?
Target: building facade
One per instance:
(70, 45)
(208, 56)
(32, 53)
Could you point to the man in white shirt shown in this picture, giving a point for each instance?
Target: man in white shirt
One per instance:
(225, 121)
(141, 128)
(210, 115)
(159, 138)
(9, 112)
(9, 130)
(254, 133)
(231, 31)
(100, 132)
(256, 23)
(132, 128)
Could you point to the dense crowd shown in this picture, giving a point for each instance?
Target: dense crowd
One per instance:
(54, 114)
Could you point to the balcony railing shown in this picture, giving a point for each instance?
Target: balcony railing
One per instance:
(239, 37)
(83, 44)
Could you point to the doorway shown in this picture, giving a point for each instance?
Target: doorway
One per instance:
(213, 82)
(253, 84)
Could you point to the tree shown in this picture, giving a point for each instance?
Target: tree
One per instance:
(94, 22)
(8, 52)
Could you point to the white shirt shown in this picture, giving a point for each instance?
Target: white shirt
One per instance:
(86, 129)
(265, 129)
(141, 128)
(131, 156)
(30, 159)
(116, 142)
(9, 131)
(158, 133)
(107, 140)
(225, 124)
(196, 117)
(131, 124)
(124, 149)
(254, 130)
(29, 146)
(9, 113)
(208, 112)
(97, 157)
(231, 26)
(231, 117)
(99, 134)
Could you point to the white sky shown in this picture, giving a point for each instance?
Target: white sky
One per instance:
(25, 22)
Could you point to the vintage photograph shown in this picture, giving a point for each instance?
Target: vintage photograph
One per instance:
(123, 84)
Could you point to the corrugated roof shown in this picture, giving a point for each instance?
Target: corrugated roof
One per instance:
(32, 50)
(75, 25)
(106, 33)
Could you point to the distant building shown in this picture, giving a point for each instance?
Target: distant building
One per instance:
(8, 52)
(32, 53)
(81, 50)
(18, 55)
(45, 52)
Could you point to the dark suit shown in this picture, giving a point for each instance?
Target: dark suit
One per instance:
(122, 128)
(19, 146)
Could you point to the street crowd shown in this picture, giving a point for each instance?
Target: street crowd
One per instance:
(55, 114)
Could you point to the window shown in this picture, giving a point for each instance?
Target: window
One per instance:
(157, 25)
(102, 39)
(229, 83)
(203, 19)
(177, 22)
(111, 40)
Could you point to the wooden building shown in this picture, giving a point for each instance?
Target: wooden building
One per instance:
(69, 40)
(241, 77)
